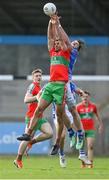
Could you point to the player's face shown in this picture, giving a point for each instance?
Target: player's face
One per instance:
(37, 77)
(75, 44)
(57, 45)
(85, 98)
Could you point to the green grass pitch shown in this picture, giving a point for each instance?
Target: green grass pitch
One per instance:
(46, 167)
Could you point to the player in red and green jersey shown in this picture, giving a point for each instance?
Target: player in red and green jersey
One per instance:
(42, 125)
(87, 111)
(75, 47)
(55, 89)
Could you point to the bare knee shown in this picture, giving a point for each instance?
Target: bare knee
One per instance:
(90, 146)
(48, 131)
(49, 134)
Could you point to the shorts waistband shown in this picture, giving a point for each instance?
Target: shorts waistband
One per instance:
(59, 82)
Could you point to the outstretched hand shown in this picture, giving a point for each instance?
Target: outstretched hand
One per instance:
(55, 19)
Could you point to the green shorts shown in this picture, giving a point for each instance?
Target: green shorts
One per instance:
(39, 123)
(54, 91)
(90, 133)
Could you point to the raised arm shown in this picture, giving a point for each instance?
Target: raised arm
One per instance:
(65, 36)
(50, 35)
(56, 30)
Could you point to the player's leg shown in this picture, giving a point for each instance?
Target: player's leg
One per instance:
(71, 103)
(43, 104)
(62, 141)
(61, 150)
(62, 159)
(59, 112)
(90, 146)
(45, 100)
(22, 147)
(68, 120)
(59, 96)
(83, 157)
(80, 133)
(46, 133)
(58, 137)
(76, 117)
(21, 150)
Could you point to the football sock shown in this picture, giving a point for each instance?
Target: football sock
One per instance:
(61, 152)
(71, 132)
(79, 133)
(82, 152)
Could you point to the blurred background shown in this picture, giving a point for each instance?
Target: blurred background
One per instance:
(23, 47)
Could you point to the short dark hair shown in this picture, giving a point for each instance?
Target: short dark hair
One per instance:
(87, 92)
(36, 71)
(81, 44)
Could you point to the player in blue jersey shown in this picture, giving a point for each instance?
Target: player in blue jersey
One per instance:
(76, 46)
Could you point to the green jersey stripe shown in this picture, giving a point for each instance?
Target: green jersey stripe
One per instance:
(59, 60)
(87, 115)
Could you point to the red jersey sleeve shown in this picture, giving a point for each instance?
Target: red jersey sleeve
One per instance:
(95, 108)
(77, 107)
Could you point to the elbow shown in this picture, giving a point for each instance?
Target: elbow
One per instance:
(25, 101)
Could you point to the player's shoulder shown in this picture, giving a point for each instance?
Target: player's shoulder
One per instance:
(31, 87)
(74, 50)
(93, 104)
(51, 50)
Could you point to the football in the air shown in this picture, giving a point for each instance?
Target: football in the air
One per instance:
(49, 9)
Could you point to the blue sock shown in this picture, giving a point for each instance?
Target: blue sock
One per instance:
(82, 152)
(71, 132)
(80, 133)
(61, 152)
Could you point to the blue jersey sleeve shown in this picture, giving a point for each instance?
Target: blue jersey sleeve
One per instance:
(73, 57)
(73, 87)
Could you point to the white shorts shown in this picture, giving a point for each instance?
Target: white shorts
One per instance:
(70, 96)
(67, 112)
